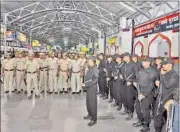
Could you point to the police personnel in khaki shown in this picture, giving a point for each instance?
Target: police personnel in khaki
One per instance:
(32, 70)
(20, 71)
(43, 67)
(8, 67)
(83, 65)
(53, 72)
(76, 74)
(63, 73)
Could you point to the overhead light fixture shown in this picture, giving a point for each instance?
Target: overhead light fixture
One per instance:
(94, 29)
(67, 11)
(127, 6)
(107, 22)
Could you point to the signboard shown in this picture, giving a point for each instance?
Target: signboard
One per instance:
(35, 43)
(84, 49)
(166, 23)
(10, 35)
(112, 40)
(49, 47)
(21, 37)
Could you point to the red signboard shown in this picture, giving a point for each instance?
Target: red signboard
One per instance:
(166, 23)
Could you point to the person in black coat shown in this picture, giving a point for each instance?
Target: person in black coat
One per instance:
(91, 85)
(168, 82)
(145, 84)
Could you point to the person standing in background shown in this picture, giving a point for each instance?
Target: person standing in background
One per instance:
(8, 71)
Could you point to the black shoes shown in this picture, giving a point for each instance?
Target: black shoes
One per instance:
(37, 96)
(92, 122)
(6, 92)
(138, 124)
(56, 92)
(25, 92)
(87, 117)
(18, 92)
(145, 129)
(110, 101)
(130, 116)
(119, 108)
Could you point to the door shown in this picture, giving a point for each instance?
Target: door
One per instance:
(138, 50)
(163, 48)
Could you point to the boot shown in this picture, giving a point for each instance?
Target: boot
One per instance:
(87, 117)
(145, 128)
(93, 122)
(130, 116)
(138, 124)
(119, 108)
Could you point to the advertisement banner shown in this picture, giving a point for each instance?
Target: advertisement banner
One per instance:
(35, 43)
(112, 40)
(21, 37)
(10, 35)
(166, 23)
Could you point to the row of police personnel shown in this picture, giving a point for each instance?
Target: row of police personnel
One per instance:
(143, 86)
(48, 72)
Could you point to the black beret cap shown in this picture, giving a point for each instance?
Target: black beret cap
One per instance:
(93, 58)
(148, 59)
(134, 55)
(168, 61)
(126, 54)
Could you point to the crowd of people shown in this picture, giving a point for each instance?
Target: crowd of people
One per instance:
(133, 84)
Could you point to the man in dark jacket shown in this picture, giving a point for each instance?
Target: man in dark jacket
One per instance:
(109, 67)
(129, 72)
(145, 85)
(169, 81)
(91, 84)
(102, 76)
(117, 84)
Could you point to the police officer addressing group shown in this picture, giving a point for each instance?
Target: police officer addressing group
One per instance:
(91, 84)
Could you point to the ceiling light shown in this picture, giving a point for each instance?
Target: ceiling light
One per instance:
(64, 11)
(127, 6)
(107, 22)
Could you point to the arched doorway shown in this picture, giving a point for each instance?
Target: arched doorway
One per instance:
(160, 45)
(139, 48)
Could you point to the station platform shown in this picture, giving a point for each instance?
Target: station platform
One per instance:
(58, 113)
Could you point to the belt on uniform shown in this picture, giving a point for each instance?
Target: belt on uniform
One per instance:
(43, 70)
(32, 72)
(20, 70)
(53, 69)
(76, 72)
(64, 70)
(9, 69)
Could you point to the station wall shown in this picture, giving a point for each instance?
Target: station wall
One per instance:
(148, 45)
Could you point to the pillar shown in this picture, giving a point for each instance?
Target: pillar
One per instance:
(101, 43)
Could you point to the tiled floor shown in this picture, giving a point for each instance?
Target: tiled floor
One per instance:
(58, 113)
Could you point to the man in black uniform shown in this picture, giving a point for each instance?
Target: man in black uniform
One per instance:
(91, 85)
(109, 68)
(145, 84)
(129, 92)
(157, 66)
(169, 81)
(102, 76)
(117, 84)
(134, 58)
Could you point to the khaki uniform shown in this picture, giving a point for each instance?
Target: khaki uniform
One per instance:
(53, 67)
(84, 68)
(63, 74)
(76, 75)
(20, 69)
(8, 65)
(43, 66)
(32, 76)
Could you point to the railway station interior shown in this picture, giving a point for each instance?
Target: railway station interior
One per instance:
(149, 29)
